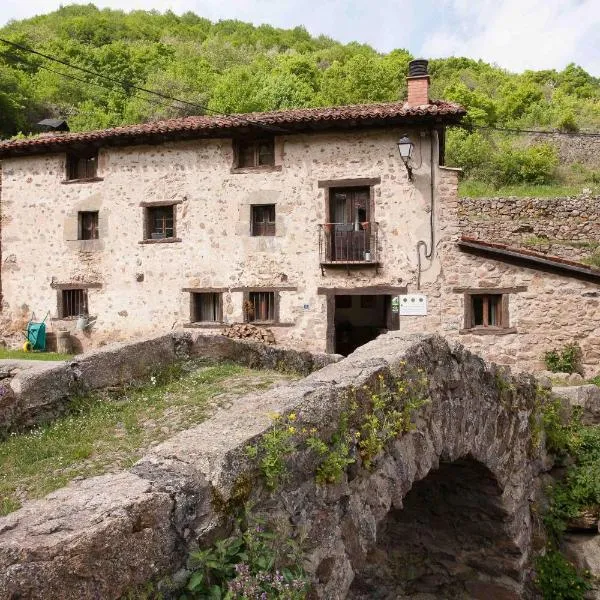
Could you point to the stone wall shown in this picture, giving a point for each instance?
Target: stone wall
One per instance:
(103, 536)
(572, 148)
(35, 396)
(545, 311)
(137, 288)
(563, 226)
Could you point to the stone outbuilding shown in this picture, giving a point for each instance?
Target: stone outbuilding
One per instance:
(315, 223)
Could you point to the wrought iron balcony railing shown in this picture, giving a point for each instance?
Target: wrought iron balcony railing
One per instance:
(348, 244)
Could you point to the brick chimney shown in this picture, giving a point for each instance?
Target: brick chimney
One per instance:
(418, 82)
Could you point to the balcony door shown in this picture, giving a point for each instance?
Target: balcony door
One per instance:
(349, 214)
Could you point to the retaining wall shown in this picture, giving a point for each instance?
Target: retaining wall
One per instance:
(32, 397)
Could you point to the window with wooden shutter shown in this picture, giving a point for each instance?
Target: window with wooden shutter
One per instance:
(263, 220)
(73, 303)
(88, 225)
(160, 222)
(206, 307)
(261, 307)
(82, 165)
(486, 311)
(255, 153)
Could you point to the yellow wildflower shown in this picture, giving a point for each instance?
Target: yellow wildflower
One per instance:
(292, 417)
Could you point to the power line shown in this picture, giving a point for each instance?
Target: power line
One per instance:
(128, 86)
(151, 100)
(107, 77)
(536, 131)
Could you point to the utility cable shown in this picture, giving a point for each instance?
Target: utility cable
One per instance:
(536, 131)
(127, 86)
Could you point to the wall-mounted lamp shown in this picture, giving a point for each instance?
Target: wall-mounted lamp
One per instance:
(405, 147)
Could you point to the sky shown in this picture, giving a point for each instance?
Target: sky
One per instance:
(515, 34)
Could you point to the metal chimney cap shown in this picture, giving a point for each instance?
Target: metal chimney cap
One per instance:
(417, 67)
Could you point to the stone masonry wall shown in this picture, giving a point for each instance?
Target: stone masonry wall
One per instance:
(565, 226)
(572, 148)
(101, 537)
(548, 311)
(137, 288)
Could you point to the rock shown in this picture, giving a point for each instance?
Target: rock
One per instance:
(586, 520)
(575, 379)
(583, 551)
(585, 396)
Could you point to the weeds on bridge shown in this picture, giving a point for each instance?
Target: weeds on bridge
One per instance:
(254, 562)
(371, 418)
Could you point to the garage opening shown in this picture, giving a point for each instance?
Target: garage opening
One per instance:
(358, 319)
(449, 541)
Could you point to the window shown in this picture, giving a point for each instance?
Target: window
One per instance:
(263, 220)
(206, 307)
(72, 303)
(255, 153)
(486, 310)
(160, 222)
(88, 225)
(260, 306)
(82, 165)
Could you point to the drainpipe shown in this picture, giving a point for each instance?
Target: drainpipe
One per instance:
(428, 253)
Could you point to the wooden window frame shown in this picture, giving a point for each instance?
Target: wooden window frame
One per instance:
(62, 302)
(262, 228)
(193, 306)
(503, 315)
(254, 145)
(82, 165)
(81, 217)
(246, 299)
(148, 225)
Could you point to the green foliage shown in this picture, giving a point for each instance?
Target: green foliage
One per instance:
(335, 456)
(251, 562)
(273, 450)
(558, 579)
(232, 66)
(564, 360)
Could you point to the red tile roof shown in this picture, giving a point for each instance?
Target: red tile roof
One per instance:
(532, 257)
(280, 121)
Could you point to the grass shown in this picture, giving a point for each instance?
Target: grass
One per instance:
(110, 431)
(22, 355)
(470, 188)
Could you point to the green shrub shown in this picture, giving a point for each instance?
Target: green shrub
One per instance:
(536, 164)
(248, 564)
(565, 360)
(558, 579)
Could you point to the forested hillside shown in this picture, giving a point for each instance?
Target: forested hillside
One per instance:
(233, 66)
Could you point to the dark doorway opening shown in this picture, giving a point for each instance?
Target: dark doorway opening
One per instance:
(358, 319)
(450, 540)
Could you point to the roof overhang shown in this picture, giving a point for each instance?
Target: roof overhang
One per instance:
(530, 259)
(295, 121)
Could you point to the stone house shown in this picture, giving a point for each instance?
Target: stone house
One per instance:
(307, 221)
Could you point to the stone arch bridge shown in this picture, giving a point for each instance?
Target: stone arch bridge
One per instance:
(443, 512)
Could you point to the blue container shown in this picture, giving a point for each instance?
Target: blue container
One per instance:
(36, 334)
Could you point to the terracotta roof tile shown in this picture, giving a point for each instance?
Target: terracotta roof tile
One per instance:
(339, 116)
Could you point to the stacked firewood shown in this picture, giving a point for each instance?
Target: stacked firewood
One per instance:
(247, 331)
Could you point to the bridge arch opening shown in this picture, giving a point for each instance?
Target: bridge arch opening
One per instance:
(450, 540)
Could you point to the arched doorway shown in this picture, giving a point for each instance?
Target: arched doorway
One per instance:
(450, 540)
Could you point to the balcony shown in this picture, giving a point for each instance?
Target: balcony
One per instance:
(348, 245)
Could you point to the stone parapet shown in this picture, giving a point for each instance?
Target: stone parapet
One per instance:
(35, 396)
